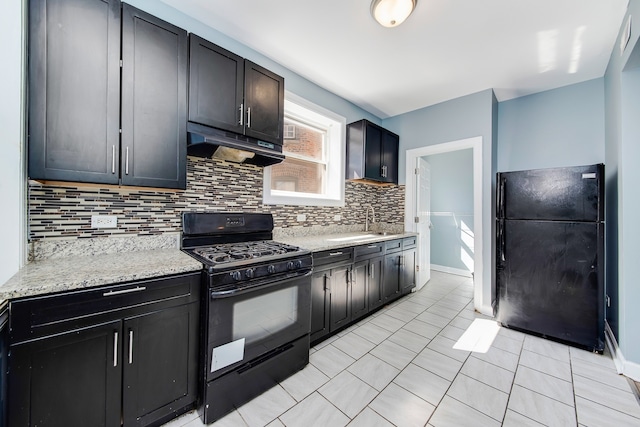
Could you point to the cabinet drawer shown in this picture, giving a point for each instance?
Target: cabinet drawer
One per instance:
(393, 246)
(49, 314)
(333, 257)
(368, 251)
(409, 242)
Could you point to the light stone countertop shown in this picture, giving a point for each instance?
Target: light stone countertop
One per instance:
(341, 240)
(76, 272)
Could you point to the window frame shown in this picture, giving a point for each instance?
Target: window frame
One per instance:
(300, 109)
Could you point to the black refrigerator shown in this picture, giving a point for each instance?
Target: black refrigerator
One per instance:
(550, 253)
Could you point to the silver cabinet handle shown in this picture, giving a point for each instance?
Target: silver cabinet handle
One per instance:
(372, 246)
(126, 162)
(113, 159)
(115, 349)
(241, 122)
(124, 291)
(248, 117)
(372, 271)
(335, 253)
(130, 346)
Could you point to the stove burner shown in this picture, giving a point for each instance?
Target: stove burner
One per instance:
(220, 254)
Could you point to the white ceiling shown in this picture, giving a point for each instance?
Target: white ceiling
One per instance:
(446, 49)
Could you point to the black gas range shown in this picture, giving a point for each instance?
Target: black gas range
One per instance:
(256, 314)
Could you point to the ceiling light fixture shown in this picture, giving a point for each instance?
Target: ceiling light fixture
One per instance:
(391, 13)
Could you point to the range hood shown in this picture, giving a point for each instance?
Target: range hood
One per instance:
(204, 141)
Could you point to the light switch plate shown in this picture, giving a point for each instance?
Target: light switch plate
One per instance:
(301, 217)
(104, 221)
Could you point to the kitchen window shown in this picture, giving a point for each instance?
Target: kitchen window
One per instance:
(312, 173)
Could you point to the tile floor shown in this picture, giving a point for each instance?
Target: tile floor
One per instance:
(400, 368)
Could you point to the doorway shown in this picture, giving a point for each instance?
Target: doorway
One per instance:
(414, 217)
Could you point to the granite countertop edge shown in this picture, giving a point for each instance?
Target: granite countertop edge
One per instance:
(324, 242)
(79, 272)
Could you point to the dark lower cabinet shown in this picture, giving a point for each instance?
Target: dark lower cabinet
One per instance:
(391, 276)
(4, 363)
(159, 367)
(359, 290)
(375, 289)
(340, 297)
(320, 309)
(408, 271)
(72, 379)
(136, 366)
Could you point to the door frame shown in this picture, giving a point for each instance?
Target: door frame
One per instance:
(474, 143)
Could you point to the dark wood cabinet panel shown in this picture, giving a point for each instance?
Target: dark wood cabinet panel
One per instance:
(340, 297)
(160, 364)
(72, 379)
(391, 276)
(136, 363)
(408, 271)
(216, 86)
(319, 305)
(359, 290)
(375, 289)
(74, 90)
(264, 99)
(372, 152)
(154, 101)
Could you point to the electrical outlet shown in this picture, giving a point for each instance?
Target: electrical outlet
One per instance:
(337, 217)
(104, 221)
(301, 217)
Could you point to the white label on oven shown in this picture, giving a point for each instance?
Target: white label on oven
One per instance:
(227, 354)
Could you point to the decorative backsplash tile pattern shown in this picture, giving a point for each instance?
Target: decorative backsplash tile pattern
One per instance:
(212, 185)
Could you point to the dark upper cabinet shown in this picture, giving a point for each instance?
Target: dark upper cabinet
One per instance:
(74, 90)
(234, 94)
(216, 86)
(78, 100)
(372, 152)
(154, 101)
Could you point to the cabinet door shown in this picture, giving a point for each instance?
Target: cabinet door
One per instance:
(216, 86)
(154, 101)
(72, 379)
(264, 103)
(359, 285)
(375, 289)
(340, 297)
(74, 90)
(160, 364)
(389, 156)
(408, 271)
(319, 305)
(373, 152)
(391, 280)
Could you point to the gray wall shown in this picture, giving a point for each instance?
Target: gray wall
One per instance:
(465, 117)
(560, 127)
(452, 204)
(622, 151)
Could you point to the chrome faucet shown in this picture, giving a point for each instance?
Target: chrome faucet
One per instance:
(366, 218)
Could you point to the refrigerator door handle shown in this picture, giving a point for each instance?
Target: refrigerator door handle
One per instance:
(501, 240)
(501, 185)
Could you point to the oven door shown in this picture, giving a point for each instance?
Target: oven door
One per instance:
(251, 322)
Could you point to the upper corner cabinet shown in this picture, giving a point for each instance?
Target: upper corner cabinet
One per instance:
(234, 94)
(74, 90)
(372, 152)
(78, 101)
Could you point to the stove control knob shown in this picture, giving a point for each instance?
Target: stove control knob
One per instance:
(290, 265)
(249, 273)
(298, 263)
(236, 275)
(271, 269)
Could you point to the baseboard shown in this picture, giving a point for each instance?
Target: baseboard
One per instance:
(623, 366)
(450, 270)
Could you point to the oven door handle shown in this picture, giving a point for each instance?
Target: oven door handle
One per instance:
(258, 285)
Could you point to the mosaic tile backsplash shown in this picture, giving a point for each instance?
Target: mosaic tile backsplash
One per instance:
(212, 185)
